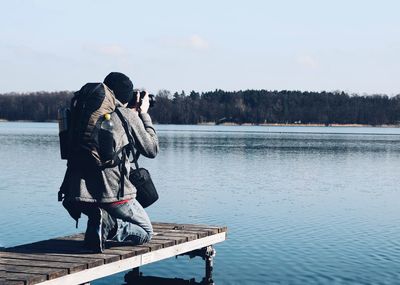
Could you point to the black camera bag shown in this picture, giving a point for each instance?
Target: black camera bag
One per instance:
(146, 191)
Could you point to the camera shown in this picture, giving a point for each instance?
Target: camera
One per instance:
(135, 102)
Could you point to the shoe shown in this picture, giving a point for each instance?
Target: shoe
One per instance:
(109, 227)
(100, 226)
(93, 234)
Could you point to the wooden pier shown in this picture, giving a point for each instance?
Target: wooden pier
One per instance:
(63, 260)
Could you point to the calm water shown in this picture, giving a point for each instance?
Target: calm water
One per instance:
(304, 205)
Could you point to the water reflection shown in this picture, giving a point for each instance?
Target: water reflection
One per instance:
(133, 279)
(243, 142)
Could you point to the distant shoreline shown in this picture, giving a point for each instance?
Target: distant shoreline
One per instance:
(249, 124)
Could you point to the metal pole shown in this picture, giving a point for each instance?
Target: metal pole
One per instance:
(209, 258)
(132, 275)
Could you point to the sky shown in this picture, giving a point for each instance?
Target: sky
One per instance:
(351, 46)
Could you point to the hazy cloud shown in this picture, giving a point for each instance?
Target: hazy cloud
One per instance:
(193, 42)
(113, 50)
(307, 61)
(24, 53)
(197, 42)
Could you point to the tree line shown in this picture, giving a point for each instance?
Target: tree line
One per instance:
(248, 106)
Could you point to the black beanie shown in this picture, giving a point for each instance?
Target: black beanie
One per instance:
(121, 85)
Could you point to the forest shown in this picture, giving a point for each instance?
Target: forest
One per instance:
(239, 107)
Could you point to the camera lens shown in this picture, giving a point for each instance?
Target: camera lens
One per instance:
(152, 100)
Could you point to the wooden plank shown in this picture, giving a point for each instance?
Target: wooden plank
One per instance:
(2, 273)
(70, 247)
(180, 237)
(122, 254)
(28, 279)
(209, 231)
(170, 232)
(50, 273)
(67, 257)
(89, 262)
(220, 229)
(42, 257)
(138, 250)
(13, 282)
(126, 245)
(176, 237)
(71, 267)
(189, 234)
(107, 258)
(55, 246)
(152, 246)
(60, 243)
(162, 228)
(78, 237)
(163, 242)
(73, 236)
(166, 242)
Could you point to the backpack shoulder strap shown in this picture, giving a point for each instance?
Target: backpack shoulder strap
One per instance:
(131, 145)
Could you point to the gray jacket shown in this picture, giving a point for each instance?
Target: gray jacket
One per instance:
(85, 182)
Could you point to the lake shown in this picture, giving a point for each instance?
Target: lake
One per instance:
(303, 205)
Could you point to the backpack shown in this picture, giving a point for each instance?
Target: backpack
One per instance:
(81, 137)
(87, 110)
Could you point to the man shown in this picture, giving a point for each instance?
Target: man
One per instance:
(112, 215)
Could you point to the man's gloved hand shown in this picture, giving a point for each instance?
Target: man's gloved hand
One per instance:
(145, 103)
